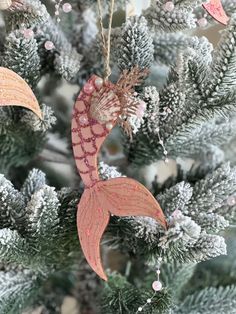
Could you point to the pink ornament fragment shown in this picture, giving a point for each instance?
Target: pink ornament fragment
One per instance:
(67, 7)
(157, 285)
(169, 6)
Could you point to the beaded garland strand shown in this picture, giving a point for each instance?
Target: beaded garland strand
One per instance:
(156, 286)
(66, 7)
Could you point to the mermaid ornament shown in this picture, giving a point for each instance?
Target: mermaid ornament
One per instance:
(99, 107)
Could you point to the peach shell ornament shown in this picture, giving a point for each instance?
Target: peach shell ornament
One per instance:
(99, 107)
(14, 91)
(216, 10)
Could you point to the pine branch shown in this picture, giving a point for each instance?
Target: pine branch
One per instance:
(21, 56)
(30, 14)
(222, 78)
(135, 47)
(119, 296)
(210, 300)
(17, 290)
(180, 18)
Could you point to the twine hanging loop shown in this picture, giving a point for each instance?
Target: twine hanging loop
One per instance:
(106, 42)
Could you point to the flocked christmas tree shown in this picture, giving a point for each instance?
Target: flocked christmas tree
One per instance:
(188, 127)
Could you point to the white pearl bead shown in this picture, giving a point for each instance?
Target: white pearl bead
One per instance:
(140, 309)
(149, 300)
(28, 33)
(66, 7)
(169, 6)
(231, 201)
(99, 82)
(202, 22)
(109, 126)
(49, 45)
(157, 285)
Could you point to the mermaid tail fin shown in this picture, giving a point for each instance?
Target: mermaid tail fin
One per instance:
(216, 10)
(92, 221)
(127, 197)
(119, 196)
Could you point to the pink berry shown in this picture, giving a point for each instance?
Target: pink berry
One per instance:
(169, 6)
(28, 33)
(88, 88)
(157, 285)
(202, 22)
(49, 45)
(66, 7)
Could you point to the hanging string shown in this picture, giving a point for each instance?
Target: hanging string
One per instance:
(106, 43)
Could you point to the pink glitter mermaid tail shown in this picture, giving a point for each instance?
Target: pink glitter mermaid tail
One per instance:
(216, 10)
(119, 196)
